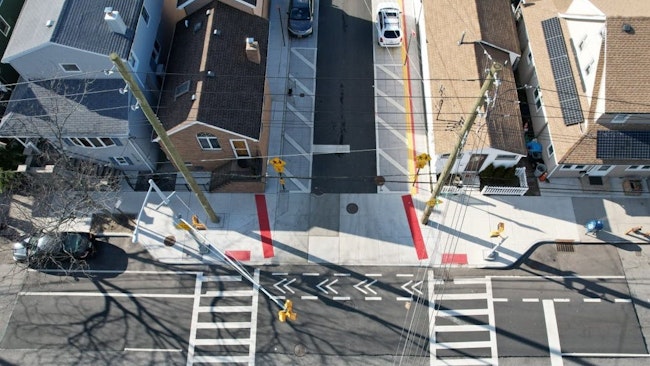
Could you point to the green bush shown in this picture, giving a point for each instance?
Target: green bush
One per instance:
(488, 172)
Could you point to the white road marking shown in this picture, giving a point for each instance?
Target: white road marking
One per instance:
(223, 342)
(470, 281)
(221, 278)
(432, 319)
(303, 58)
(279, 274)
(279, 297)
(373, 274)
(401, 298)
(561, 300)
(221, 359)
(492, 323)
(341, 274)
(530, 300)
(341, 298)
(462, 312)
(105, 294)
(499, 299)
(308, 297)
(195, 319)
(552, 332)
(465, 362)
(253, 334)
(556, 277)
(194, 273)
(606, 355)
(152, 350)
(591, 300)
(311, 274)
(622, 300)
(373, 298)
(404, 275)
(468, 296)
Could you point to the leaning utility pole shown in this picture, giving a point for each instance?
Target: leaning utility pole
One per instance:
(162, 133)
(487, 84)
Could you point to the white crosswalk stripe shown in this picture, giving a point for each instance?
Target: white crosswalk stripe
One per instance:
(450, 323)
(224, 321)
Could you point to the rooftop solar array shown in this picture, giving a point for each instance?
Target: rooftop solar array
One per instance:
(633, 145)
(564, 81)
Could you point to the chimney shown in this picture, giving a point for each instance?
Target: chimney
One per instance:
(253, 50)
(114, 21)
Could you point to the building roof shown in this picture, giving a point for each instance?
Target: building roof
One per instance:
(67, 108)
(627, 85)
(76, 23)
(231, 96)
(458, 70)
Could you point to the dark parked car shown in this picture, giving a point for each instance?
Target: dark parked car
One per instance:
(301, 17)
(54, 247)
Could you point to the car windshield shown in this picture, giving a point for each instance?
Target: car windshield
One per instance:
(73, 243)
(299, 14)
(391, 34)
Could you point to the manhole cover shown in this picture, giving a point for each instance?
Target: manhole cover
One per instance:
(380, 180)
(352, 208)
(300, 350)
(169, 241)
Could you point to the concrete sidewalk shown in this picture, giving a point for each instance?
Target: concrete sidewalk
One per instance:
(374, 229)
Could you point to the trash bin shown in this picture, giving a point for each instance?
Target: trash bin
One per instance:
(539, 170)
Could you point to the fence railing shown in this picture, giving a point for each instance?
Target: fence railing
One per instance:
(509, 191)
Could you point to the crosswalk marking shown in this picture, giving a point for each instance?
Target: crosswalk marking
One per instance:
(463, 328)
(227, 278)
(457, 345)
(465, 361)
(215, 337)
(467, 296)
(461, 312)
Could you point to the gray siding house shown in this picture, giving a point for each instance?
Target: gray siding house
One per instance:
(69, 93)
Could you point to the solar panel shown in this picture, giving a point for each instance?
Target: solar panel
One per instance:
(623, 145)
(561, 67)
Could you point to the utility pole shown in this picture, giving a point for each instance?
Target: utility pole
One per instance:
(162, 133)
(487, 84)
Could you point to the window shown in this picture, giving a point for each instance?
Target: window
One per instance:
(620, 118)
(444, 156)
(550, 150)
(208, 141)
(573, 167)
(182, 89)
(70, 67)
(155, 54)
(92, 142)
(638, 167)
(538, 98)
(240, 148)
(133, 60)
(145, 15)
(4, 26)
(506, 157)
(582, 43)
(121, 160)
(589, 66)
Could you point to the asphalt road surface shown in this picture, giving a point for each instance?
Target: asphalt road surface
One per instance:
(344, 109)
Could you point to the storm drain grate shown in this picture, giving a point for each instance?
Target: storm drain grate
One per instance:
(565, 247)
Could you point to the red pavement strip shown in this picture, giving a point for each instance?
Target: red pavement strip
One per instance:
(450, 258)
(414, 225)
(265, 227)
(240, 255)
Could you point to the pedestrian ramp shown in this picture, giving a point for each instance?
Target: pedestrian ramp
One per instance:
(224, 321)
(461, 315)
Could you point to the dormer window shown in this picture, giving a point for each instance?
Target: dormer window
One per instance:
(70, 67)
(182, 89)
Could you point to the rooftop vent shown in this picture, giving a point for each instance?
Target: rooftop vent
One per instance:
(628, 29)
(114, 21)
(253, 50)
(49, 23)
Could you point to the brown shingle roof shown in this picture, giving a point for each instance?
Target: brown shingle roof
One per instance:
(627, 66)
(232, 98)
(457, 72)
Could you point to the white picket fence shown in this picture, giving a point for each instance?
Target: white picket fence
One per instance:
(510, 191)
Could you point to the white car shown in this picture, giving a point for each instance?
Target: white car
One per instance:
(389, 25)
